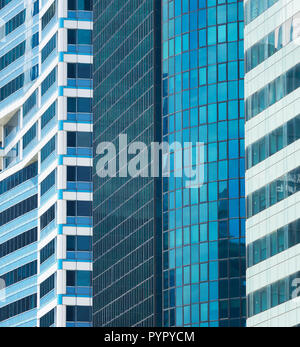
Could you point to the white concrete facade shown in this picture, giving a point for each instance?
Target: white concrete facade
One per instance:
(57, 299)
(261, 225)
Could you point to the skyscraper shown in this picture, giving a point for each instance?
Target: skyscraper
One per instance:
(272, 93)
(127, 211)
(46, 162)
(165, 254)
(204, 229)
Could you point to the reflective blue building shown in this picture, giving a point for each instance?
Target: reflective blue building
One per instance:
(171, 71)
(204, 229)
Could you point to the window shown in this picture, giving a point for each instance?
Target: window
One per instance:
(18, 307)
(79, 173)
(11, 125)
(279, 88)
(256, 252)
(79, 139)
(276, 140)
(255, 153)
(12, 55)
(290, 132)
(18, 210)
(20, 274)
(292, 180)
(29, 136)
(48, 319)
(278, 190)
(29, 104)
(48, 81)
(80, 5)
(273, 295)
(79, 278)
(48, 149)
(264, 300)
(81, 105)
(263, 250)
(262, 149)
(15, 22)
(79, 243)
(48, 115)
(282, 291)
(35, 40)
(49, 48)
(47, 285)
(277, 242)
(290, 81)
(20, 241)
(281, 189)
(79, 208)
(48, 182)
(273, 193)
(48, 15)
(280, 240)
(294, 233)
(274, 244)
(11, 87)
(11, 156)
(272, 93)
(79, 70)
(72, 36)
(19, 177)
(272, 43)
(34, 72)
(3, 3)
(79, 313)
(35, 8)
(254, 8)
(79, 37)
(47, 251)
(47, 217)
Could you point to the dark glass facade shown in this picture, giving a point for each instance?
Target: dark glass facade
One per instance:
(127, 214)
(204, 229)
(165, 254)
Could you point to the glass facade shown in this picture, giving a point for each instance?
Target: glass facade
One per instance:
(40, 242)
(204, 229)
(179, 80)
(127, 214)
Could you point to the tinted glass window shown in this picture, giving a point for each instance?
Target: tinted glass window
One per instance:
(84, 173)
(71, 173)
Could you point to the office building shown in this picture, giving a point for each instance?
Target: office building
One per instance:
(204, 229)
(165, 254)
(46, 163)
(272, 94)
(127, 211)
